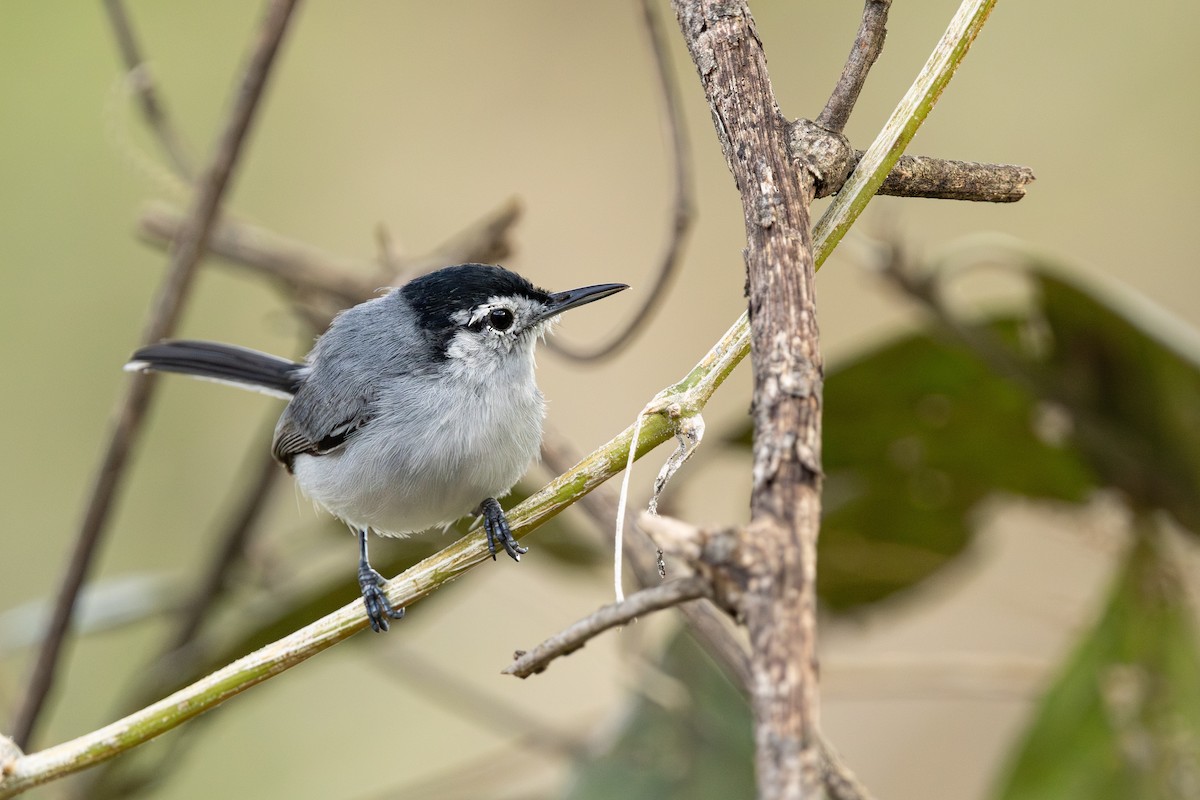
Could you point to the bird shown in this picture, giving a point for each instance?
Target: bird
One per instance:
(412, 410)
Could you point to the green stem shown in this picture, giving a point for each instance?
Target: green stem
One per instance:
(688, 396)
(900, 128)
(685, 398)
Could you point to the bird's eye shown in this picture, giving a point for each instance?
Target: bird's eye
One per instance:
(500, 319)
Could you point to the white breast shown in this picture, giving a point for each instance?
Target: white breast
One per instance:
(430, 454)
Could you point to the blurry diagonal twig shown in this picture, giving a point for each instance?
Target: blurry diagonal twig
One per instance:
(143, 83)
(185, 256)
(334, 281)
(682, 205)
(300, 267)
(231, 548)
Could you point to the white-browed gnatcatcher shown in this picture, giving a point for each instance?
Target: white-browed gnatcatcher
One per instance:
(413, 410)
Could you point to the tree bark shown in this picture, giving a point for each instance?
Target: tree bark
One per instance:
(771, 572)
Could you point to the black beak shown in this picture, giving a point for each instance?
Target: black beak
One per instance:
(573, 298)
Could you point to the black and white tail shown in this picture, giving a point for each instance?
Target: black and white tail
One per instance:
(224, 363)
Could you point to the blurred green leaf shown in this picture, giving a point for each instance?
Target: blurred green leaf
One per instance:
(700, 749)
(1134, 398)
(919, 431)
(1123, 719)
(916, 434)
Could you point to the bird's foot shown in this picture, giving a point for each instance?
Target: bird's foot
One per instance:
(379, 608)
(495, 525)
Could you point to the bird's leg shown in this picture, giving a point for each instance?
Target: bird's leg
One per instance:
(378, 606)
(495, 525)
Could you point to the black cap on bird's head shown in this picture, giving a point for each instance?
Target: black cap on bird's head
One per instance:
(475, 295)
(439, 295)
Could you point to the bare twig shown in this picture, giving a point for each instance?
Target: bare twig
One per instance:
(232, 546)
(830, 159)
(711, 626)
(486, 240)
(292, 263)
(166, 311)
(912, 110)
(180, 656)
(682, 206)
(821, 146)
(773, 568)
(665, 595)
(943, 179)
(839, 779)
(300, 267)
(143, 82)
(691, 394)
(9, 751)
(868, 44)
(769, 577)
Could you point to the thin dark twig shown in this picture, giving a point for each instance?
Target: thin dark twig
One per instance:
(143, 82)
(166, 311)
(683, 205)
(840, 781)
(707, 622)
(868, 44)
(665, 595)
(180, 656)
(241, 527)
(298, 266)
(292, 263)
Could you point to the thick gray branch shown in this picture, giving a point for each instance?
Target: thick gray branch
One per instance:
(770, 575)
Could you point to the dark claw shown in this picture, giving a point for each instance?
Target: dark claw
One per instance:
(495, 525)
(379, 609)
(376, 602)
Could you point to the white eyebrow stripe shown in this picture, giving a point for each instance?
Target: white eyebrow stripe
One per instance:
(522, 307)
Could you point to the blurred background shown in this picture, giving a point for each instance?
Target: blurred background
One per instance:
(422, 118)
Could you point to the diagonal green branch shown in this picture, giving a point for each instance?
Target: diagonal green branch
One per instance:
(900, 128)
(684, 398)
(185, 256)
